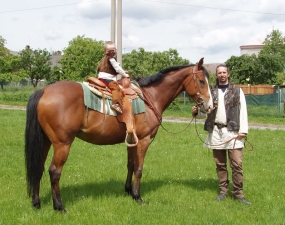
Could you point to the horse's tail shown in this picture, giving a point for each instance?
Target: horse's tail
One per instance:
(34, 154)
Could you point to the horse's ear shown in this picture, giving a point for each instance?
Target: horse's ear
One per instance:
(200, 64)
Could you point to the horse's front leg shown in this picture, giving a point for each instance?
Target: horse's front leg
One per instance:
(130, 167)
(55, 169)
(138, 161)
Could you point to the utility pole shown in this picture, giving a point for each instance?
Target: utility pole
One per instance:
(119, 32)
(113, 20)
(116, 19)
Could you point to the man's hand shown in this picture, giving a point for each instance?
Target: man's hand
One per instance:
(194, 111)
(241, 135)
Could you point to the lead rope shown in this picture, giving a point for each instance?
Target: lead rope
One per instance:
(234, 138)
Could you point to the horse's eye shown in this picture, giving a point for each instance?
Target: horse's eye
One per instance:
(202, 82)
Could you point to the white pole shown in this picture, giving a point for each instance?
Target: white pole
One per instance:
(119, 32)
(113, 20)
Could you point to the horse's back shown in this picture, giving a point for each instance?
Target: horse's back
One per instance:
(61, 109)
(63, 116)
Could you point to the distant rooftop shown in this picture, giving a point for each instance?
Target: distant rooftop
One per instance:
(257, 42)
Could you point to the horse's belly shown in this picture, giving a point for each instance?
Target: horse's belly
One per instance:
(103, 132)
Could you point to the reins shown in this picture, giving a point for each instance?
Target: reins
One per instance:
(178, 131)
(159, 116)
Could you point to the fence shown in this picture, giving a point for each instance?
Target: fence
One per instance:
(268, 101)
(261, 89)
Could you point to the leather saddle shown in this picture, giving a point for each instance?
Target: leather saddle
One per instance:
(126, 117)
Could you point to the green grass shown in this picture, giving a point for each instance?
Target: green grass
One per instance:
(179, 182)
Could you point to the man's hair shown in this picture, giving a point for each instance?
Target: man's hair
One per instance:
(222, 65)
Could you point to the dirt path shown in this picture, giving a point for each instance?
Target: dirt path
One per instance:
(181, 120)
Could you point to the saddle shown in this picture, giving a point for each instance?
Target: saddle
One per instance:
(126, 117)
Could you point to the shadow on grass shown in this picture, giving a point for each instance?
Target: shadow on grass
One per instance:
(76, 192)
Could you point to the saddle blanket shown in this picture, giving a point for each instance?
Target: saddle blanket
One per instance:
(96, 103)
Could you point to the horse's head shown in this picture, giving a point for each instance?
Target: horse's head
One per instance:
(198, 87)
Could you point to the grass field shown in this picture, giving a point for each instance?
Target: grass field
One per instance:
(179, 183)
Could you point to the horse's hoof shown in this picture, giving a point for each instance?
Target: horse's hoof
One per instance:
(128, 190)
(36, 205)
(60, 209)
(63, 211)
(140, 201)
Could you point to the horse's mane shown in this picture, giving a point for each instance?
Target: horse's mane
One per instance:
(150, 79)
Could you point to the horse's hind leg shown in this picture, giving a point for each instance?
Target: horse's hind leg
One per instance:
(61, 152)
(36, 192)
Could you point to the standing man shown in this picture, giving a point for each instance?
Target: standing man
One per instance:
(227, 126)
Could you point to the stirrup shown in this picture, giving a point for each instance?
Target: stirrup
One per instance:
(131, 140)
(117, 108)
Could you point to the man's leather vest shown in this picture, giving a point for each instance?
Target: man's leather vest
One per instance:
(106, 66)
(232, 106)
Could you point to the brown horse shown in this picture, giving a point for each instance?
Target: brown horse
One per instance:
(56, 115)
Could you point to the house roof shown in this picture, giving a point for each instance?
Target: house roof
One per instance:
(254, 43)
(211, 67)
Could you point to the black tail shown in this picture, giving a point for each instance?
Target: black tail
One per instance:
(34, 155)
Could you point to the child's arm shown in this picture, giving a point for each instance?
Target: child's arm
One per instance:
(118, 68)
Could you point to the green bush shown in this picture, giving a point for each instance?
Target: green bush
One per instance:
(17, 97)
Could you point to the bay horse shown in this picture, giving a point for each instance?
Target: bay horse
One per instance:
(56, 115)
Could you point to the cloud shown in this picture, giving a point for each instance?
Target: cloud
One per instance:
(52, 34)
(94, 10)
(197, 28)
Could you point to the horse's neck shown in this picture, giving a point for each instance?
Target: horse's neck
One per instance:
(162, 95)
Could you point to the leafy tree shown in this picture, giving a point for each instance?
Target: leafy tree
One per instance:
(280, 78)
(272, 56)
(81, 58)
(9, 65)
(141, 63)
(55, 75)
(3, 50)
(36, 64)
(266, 68)
(274, 44)
(243, 69)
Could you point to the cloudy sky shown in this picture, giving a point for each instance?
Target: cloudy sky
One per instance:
(212, 29)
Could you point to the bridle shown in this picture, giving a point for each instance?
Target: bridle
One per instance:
(199, 99)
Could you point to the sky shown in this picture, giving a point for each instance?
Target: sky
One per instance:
(212, 29)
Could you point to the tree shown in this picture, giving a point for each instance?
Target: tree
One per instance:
(3, 50)
(266, 68)
(272, 56)
(36, 64)
(141, 63)
(9, 65)
(81, 58)
(243, 69)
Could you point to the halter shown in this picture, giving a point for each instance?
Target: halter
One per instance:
(199, 100)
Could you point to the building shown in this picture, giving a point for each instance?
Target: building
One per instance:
(253, 47)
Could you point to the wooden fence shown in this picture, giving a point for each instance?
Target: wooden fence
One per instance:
(261, 89)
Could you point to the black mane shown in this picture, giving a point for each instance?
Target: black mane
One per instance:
(148, 80)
